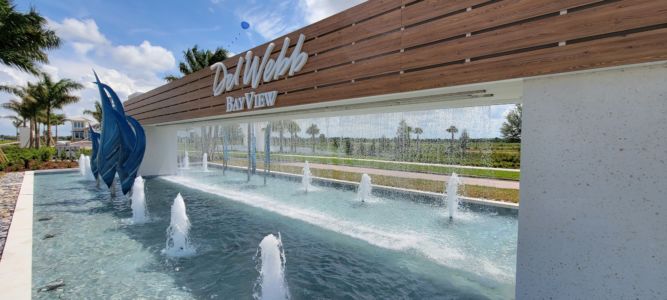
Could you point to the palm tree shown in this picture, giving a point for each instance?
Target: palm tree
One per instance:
(97, 114)
(56, 120)
(464, 140)
(313, 131)
(278, 126)
(294, 129)
(54, 95)
(418, 131)
(26, 108)
(25, 37)
(195, 60)
(453, 130)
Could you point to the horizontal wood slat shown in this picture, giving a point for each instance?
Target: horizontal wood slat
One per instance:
(613, 17)
(390, 46)
(630, 49)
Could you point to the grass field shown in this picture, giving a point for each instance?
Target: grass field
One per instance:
(395, 166)
(474, 191)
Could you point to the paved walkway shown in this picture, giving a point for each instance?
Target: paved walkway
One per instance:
(10, 184)
(496, 183)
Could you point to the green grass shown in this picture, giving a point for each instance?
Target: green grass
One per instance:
(473, 191)
(395, 166)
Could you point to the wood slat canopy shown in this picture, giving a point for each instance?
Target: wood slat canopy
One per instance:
(390, 46)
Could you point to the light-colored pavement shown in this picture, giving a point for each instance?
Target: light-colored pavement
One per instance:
(496, 183)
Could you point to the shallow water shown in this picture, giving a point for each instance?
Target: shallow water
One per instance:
(334, 246)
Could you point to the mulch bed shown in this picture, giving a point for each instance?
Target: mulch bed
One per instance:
(10, 184)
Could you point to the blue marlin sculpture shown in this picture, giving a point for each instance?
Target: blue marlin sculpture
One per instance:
(122, 142)
(95, 139)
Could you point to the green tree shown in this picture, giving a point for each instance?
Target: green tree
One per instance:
(464, 141)
(313, 130)
(403, 138)
(52, 95)
(348, 146)
(195, 59)
(96, 114)
(453, 130)
(279, 127)
(57, 120)
(293, 129)
(418, 132)
(511, 129)
(27, 108)
(25, 38)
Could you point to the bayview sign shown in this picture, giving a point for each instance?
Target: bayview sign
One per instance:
(255, 69)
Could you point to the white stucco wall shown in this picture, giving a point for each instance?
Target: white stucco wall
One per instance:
(593, 219)
(161, 151)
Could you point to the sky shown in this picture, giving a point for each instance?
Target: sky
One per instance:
(132, 45)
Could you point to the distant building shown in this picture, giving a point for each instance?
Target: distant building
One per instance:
(80, 127)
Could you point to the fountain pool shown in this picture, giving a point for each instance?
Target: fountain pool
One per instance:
(333, 246)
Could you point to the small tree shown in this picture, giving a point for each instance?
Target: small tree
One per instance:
(453, 130)
(511, 129)
(293, 128)
(312, 130)
(348, 146)
(418, 132)
(402, 138)
(464, 140)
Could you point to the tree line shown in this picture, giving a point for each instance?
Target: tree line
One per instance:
(25, 41)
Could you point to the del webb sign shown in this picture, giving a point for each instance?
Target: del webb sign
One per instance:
(266, 69)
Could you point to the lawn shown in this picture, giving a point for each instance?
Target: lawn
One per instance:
(393, 165)
(473, 191)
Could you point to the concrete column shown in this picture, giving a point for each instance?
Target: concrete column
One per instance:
(161, 151)
(593, 219)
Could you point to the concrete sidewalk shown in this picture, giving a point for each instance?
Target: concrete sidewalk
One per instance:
(496, 183)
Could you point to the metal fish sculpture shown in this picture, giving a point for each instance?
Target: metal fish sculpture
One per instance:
(95, 139)
(110, 139)
(137, 155)
(125, 143)
(127, 140)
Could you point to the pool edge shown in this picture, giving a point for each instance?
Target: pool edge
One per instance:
(16, 262)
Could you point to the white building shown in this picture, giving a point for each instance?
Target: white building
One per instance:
(80, 127)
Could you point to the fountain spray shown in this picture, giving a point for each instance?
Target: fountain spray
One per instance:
(138, 201)
(178, 242)
(271, 282)
(306, 179)
(452, 195)
(365, 188)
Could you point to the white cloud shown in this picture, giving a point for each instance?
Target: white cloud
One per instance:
(126, 68)
(145, 56)
(271, 19)
(315, 10)
(270, 22)
(74, 30)
(82, 48)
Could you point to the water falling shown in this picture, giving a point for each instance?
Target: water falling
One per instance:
(204, 162)
(365, 188)
(178, 243)
(271, 282)
(306, 179)
(452, 195)
(82, 165)
(138, 202)
(186, 160)
(89, 171)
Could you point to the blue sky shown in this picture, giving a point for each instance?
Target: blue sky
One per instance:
(133, 44)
